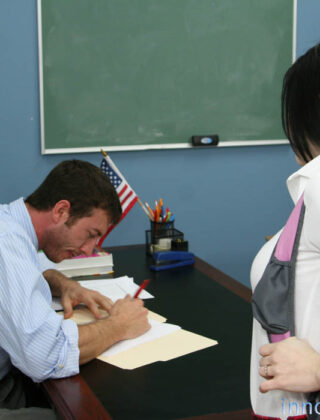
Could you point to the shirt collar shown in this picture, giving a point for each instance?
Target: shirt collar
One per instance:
(20, 213)
(296, 182)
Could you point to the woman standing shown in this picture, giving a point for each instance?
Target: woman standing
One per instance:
(284, 373)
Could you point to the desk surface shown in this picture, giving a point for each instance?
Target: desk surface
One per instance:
(209, 384)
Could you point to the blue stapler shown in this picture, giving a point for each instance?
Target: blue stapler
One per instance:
(166, 260)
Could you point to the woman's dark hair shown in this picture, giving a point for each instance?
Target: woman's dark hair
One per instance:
(300, 103)
(84, 185)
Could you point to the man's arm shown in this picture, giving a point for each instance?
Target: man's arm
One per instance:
(73, 294)
(128, 319)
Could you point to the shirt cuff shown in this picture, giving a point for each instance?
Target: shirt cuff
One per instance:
(68, 363)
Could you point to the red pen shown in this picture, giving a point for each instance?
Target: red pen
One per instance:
(142, 286)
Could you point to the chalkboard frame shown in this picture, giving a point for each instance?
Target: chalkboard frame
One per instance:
(128, 147)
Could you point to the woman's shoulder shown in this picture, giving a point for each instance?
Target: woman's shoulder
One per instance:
(312, 190)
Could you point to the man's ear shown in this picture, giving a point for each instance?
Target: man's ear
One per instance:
(61, 211)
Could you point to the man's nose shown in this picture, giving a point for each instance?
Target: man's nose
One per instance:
(88, 247)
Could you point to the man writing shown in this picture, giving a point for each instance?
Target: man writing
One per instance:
(64, 217)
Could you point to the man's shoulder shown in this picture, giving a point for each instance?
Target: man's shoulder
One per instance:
(10, 226)
(15, 243)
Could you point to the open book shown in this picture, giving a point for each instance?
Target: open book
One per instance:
(100, 262)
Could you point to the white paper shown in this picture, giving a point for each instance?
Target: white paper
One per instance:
(114, 289)
(157, 330)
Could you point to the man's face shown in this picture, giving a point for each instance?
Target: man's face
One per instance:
(64, 241)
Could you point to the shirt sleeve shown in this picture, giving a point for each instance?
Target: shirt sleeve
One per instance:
(38, 341)
(45, 263)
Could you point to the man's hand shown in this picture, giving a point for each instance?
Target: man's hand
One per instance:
(292, 365)
(72, 294)
(130, 317)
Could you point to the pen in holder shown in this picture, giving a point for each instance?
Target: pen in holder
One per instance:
(160, 236)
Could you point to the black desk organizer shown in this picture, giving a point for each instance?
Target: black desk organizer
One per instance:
(159, 230)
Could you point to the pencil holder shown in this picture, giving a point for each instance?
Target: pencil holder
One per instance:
(161, 229)
(160, 235)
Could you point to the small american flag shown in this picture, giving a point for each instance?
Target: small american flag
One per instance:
(127, 196)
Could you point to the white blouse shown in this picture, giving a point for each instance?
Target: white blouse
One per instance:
(307, 293)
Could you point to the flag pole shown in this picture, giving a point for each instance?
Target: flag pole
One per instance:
(139, 201)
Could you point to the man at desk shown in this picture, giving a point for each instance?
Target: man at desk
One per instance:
(64, 217)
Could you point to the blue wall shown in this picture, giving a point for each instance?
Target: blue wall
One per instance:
(225, 200)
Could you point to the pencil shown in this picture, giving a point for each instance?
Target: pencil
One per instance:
(150, 211)
(142, 286)
(143, 208)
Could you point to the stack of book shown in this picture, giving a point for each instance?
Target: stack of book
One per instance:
(100, 262)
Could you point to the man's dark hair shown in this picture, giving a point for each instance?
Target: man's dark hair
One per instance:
(84, 185)
(301, 103)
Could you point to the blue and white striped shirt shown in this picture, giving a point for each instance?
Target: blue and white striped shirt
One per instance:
(33, 337)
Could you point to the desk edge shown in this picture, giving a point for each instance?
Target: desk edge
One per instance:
(57, 389)
(214, 273)
(226, 281)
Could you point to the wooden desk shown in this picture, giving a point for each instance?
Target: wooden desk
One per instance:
(209, 384)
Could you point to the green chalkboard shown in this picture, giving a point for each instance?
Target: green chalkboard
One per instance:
(125, 73)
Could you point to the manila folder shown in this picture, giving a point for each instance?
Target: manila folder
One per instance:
(165, 348)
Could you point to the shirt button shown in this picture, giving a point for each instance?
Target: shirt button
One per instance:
(60, 366)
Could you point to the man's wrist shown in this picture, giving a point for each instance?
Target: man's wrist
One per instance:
(98, 336)
(116, 330)
(57, 281)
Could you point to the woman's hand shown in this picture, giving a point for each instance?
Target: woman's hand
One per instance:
(290, 365)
